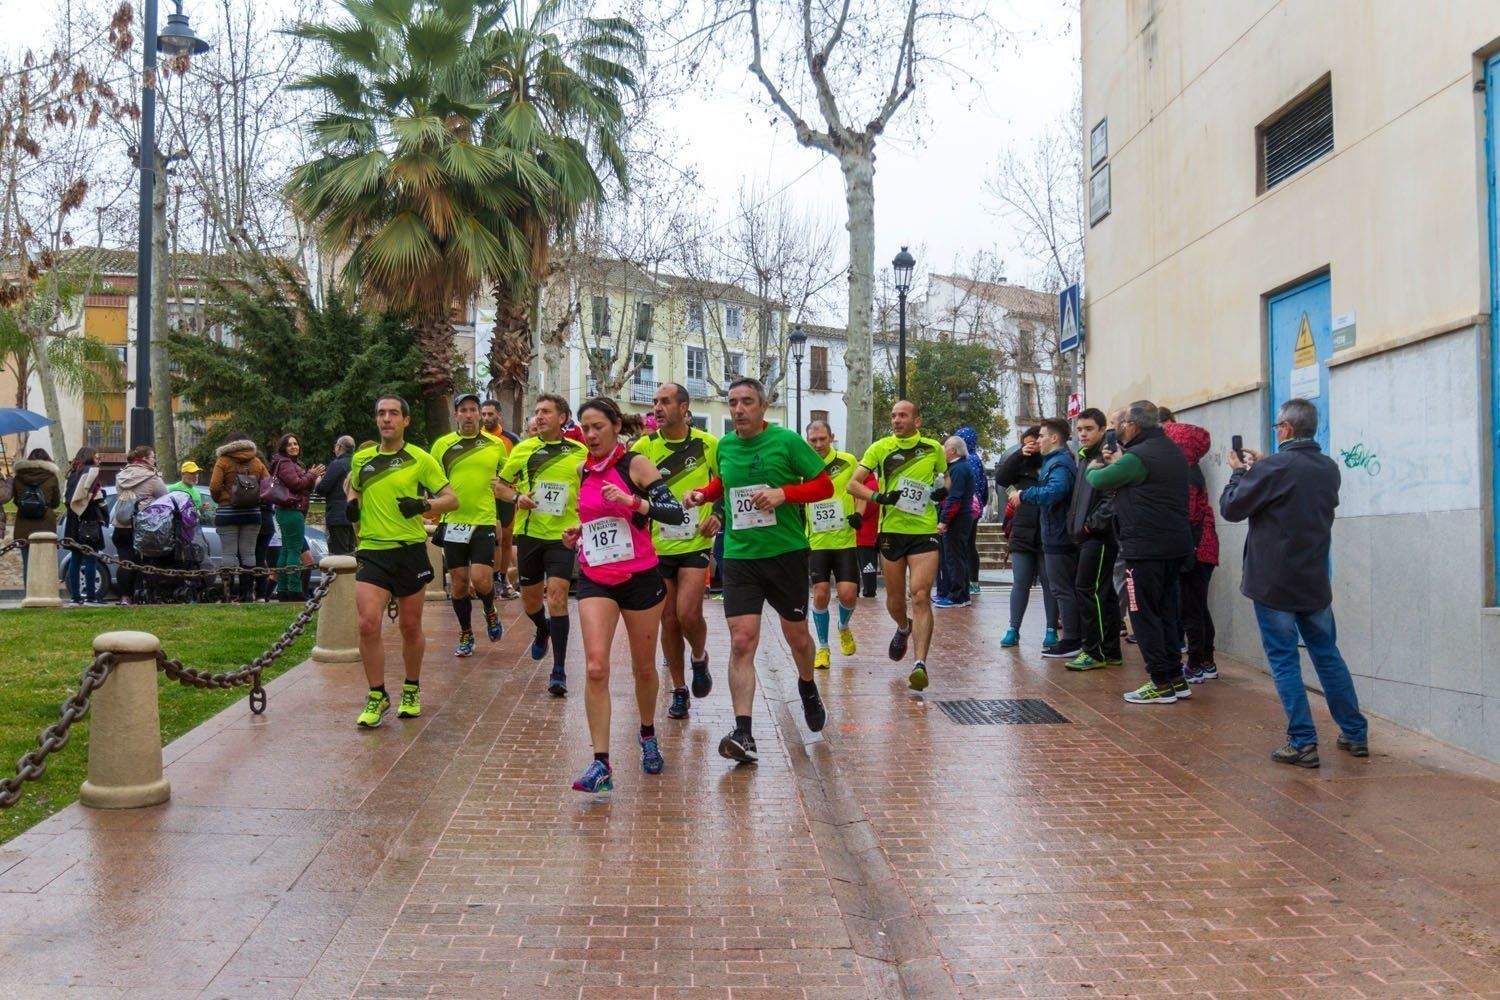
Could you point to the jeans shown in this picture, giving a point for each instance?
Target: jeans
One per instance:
(1026, 568)
(1151, 586)
(1062, 571)
(237, 545)
(83, 585)
(953, 580)
(1098, 608)
(293, 542)
(1278, 636)
(1197, 622)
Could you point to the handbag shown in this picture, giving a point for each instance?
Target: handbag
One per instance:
(90, 529)
(273, 492)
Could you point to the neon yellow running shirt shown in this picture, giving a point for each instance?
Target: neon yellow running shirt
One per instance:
(828, 520)
(471, 464)
(380, 479)
(910, 466)
(686, 464)
(549, 471)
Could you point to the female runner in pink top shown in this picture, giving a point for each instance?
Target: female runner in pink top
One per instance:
(619, 493)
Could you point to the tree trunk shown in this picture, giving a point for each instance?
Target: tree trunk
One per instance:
(510, 355)
(859, 197)
(165, 425)
(435, 339)
(52, 409)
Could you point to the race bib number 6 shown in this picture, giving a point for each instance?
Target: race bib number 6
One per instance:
(912, 496)
(551, 497)
(682, 532)
(827, 515)
(607, 540)
(743, 512)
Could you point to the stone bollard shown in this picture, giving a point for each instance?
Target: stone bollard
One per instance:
(125, 729)
(338, 621)
(41, 572)
(435, 591)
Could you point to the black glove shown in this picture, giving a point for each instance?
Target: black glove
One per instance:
(352, 508)
(855, 520)
(888, 498)
(939, 494)
(413, 506)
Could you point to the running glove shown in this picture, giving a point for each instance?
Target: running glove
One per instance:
(888, 498)
(352, 507)
(939, 494)
(855, 520)
(413, 506)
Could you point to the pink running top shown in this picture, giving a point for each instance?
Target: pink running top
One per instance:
(606, 540)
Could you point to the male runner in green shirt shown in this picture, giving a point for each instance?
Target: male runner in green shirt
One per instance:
(542, 477)
(388, 480)
(765, 474)
(471, 460)
(831, 525)
(910, 470)
(686, 457)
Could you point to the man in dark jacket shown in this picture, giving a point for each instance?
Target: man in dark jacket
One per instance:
(1150, 480)
(336, 511)
(1089, 517)
(956, 526)
(1019, 468)
(1289, 499)
(1051, 494)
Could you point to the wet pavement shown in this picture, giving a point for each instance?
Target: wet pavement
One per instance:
(1126, 851)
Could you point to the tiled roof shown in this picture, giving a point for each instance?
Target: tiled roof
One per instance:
(1016, 299)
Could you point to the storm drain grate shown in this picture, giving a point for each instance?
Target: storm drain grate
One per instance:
(1000, 712)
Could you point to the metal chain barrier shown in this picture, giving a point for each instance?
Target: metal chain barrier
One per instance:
(11, 546)
(263, 572)
(34, 764)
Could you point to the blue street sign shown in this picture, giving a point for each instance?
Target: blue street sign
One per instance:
(1069, 320)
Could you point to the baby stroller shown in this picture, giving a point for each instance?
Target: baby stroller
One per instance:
(167, 535)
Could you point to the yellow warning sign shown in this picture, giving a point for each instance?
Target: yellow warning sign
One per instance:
(1306, 353)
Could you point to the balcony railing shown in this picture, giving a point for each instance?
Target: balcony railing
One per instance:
(642, 392)
(696, 387)
(104, 436)
(817, 380)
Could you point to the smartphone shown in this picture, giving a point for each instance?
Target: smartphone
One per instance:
(1110, 440)
(1237, 445)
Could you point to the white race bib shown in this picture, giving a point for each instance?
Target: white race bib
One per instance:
(684, 531)
(913, 496)
(551, 497)
(607, 540)
(827, 515)
(743, 512)
(457, 532)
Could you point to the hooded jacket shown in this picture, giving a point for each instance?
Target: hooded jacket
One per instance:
(234, 458)
(1150, 483)
(1020, 470)
(1052, 492)
(976, 467)
(1194, 441)
(136, 484)
(1086, 498)
(42, 475)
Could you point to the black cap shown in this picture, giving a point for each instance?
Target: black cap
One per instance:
(461, 400)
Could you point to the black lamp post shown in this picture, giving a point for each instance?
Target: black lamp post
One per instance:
(175, 39)
(797, 341)
(902, 266)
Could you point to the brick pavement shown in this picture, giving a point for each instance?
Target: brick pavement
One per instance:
(1128, 852)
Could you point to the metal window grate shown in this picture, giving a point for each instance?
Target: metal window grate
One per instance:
(1001, 712)
(1300, 136)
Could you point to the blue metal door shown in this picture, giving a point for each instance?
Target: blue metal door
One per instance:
(1491, 137)
(1301, 341)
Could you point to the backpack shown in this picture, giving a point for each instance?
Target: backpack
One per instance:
(157, 525)
(30, 504)
(244, 490)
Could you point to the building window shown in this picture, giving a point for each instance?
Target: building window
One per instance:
(601, 359)
(1025, 346)
(699, 422)
(1297, 136)
(645, 369)
(818, 415)
(643, 316)
(734, 366)
(728, 426)
(818, 379)
(601, 317)
(1032, 397)
(695, 317)
(734, 322)
(697, 364)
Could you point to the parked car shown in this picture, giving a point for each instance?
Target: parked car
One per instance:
(104, 574)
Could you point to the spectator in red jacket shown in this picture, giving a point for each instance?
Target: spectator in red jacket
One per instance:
(866, 539)
(291, 512)
(1197, 623)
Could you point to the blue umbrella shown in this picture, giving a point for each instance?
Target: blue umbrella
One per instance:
(14, 420)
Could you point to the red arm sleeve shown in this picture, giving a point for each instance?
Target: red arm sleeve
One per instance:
(713, 489)
(813, 490)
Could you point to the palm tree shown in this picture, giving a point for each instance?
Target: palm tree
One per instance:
(558, 81)
(405, 186)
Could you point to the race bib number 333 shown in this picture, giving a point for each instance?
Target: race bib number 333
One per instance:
(912, 496)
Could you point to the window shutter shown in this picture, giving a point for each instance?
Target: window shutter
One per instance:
(1299, 137)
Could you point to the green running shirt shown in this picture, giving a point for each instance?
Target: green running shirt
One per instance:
(471, 464)
(828, 520)
(549, 471)
(686, 464)
(916, 458)
(380, 478)
(775, 457)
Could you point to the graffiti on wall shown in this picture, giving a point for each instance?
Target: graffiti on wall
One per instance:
(1361, 457)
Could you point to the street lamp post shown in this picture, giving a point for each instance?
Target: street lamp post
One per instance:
(176, 39)
(797, 341)
(902, 266)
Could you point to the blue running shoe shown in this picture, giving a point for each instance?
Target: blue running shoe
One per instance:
(557, 684)
(651, 759)
(1011, 638)
(1050, 639)
(492, 626)
(598, 778)
(539, 646)
(465, 645)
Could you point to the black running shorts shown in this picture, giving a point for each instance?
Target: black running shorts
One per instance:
(780, 581)
(403, 571)
(479, 550)
(538, 559)
(841, 564)
(668, 566)
(644, 590)
(897, 547)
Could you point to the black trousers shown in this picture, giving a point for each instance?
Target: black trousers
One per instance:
(953, 581)
(1197, 622)
(1151, 593)
(341, 539)
(1098, 605)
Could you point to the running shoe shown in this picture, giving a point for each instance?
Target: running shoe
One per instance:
(738, 746)
(1084, 661)
(1012, 637)
(465, 645)
(509, 593)
(492, 626)
(651, 758)
(1062, 650)
(846, 641)
(1113, 657)
(918, 677)
(975, 590)
(557, 684)
(1297, 756)
(1193, 675)
(411, 702)
(813, 712)
(899, 641)
(1149, 694)
(1182, 689)
(598, 778)
(539, 645)
(1210, 672)
(1050, 639)
(703, 682)
(1132, 640)
(679, 709)
(1354, 748)
(943, 602)
(823, 658)
(376, 705)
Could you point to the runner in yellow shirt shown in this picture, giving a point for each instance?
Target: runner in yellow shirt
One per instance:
(471, 460)
(831, 525)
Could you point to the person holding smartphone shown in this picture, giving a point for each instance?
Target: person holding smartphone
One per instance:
(1091, 526)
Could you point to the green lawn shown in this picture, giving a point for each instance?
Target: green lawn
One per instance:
(46, 651)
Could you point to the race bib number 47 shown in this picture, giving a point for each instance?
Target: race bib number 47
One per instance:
(551, 497)
(743, 512)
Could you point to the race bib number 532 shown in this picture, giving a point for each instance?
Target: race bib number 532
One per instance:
(827, 515)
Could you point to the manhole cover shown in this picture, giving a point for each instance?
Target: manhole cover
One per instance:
(1000, 712)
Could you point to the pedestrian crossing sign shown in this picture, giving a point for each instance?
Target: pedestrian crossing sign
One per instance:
(1070, 327)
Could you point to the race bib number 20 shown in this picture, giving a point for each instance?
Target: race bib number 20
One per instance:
(743, 512)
